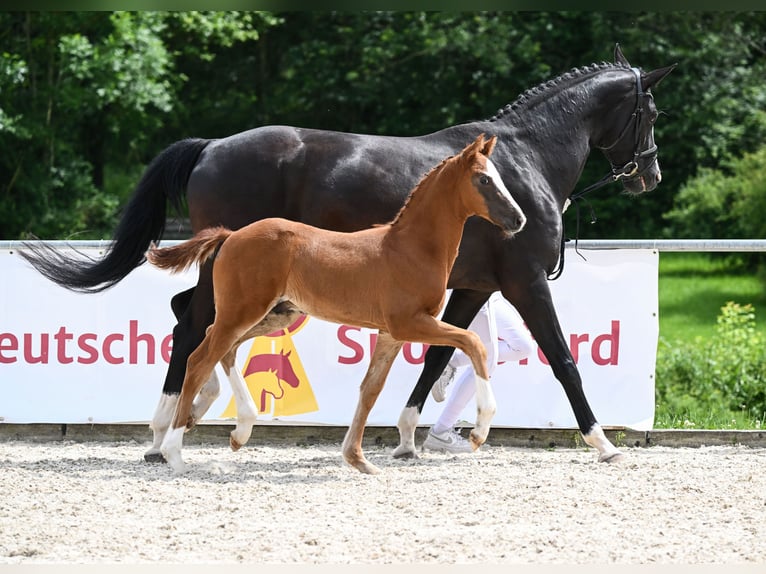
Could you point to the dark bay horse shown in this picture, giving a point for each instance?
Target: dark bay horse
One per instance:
(390, 277)
(347, 182)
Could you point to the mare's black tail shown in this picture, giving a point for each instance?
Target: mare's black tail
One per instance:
(142, 222)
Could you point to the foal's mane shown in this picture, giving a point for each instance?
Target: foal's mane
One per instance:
(417, 188)
(558, 82)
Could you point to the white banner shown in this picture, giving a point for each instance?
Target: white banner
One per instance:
(74, 358)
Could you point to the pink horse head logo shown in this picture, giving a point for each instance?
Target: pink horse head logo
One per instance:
(277, 364)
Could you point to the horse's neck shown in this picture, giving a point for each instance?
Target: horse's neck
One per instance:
(432, 219)
(565, 123)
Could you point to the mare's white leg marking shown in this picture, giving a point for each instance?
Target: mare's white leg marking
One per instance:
(485, 410)
(206, 397)
(247, 412)
(163, 414)
(408, 420)
(171, 449)
(596, 438)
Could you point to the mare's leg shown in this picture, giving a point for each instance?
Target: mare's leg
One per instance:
(534, 303)
(386, 349)
(281, 316)
(195, 311)
(427, 329)
(210, 391)
(461, 308)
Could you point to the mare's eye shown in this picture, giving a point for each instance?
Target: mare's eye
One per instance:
(484, 180)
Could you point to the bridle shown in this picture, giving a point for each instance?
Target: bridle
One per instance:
(629, 170)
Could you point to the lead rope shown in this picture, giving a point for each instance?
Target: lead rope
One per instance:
(556, 273)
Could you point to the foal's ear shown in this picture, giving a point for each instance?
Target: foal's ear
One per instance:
(489, 145)
(619, 58)
(654, 77)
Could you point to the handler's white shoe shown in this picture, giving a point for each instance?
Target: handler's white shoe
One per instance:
(448, 441)
(439, 390)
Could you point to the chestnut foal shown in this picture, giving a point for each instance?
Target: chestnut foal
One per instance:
(391, 277)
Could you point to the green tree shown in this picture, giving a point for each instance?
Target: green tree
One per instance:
(713, 104)
(85, 93)
(89, 98)
(79, 79)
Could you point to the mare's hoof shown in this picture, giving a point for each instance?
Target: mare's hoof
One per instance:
(235, 446)
(155, 457)
(403, 452)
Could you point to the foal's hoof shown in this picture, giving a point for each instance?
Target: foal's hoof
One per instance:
(476, 440)
(404, 452)
(612, 457)
(155, 457)
(359, 462)
(235, 446)
(366, 467)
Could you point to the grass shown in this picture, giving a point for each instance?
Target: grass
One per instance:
(694, 286)
(706, 418)
(692, 289)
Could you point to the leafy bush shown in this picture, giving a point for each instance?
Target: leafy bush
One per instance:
(725, 372)
(726, 203)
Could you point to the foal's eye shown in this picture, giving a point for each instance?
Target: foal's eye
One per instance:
(484, 180)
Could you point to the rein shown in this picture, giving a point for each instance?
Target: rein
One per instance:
(628, 170)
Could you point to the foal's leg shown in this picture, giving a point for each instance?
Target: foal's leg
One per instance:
(210, 391)
(247, 412)
(283, 315)
(428, 329)
(386, 349)
(218, 341)
(461, 308)
(195, 311)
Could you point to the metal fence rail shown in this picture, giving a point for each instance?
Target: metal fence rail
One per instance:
(724, 245)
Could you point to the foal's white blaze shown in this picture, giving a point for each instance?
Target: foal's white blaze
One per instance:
(485, 410)
(495, 175)
(596, 438)
(408, 420)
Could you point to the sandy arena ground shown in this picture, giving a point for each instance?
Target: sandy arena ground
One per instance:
(80, 503)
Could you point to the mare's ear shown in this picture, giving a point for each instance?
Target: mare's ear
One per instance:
(619, 58)
(654, 77)
(489, 145)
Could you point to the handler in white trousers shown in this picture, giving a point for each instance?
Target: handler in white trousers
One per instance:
(506, 338)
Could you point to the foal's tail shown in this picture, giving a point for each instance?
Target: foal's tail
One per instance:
(142, 223)
(196, 250)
